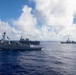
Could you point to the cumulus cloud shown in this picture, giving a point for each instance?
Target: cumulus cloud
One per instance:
(49, 20)
(27, 23)
(55, 17)
(58, 16)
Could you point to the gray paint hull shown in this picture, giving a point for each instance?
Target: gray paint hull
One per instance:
(13, 47)
(68, 42)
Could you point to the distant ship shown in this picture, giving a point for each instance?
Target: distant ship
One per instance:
(27, 41)
(68, 42)
(16, 45)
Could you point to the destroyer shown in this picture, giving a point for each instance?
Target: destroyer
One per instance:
(16, 45)
(68, 42)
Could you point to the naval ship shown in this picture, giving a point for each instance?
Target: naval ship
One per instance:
(68, 42)
(27, 41)
(16, 45)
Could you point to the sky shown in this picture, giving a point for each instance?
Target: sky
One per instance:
(52, 20)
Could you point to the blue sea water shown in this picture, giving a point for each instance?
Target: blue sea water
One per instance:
(54, 59)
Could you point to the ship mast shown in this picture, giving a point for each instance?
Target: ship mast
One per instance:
(3, 36)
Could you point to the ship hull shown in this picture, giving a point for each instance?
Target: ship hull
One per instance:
(22, 48)
(68, 42)
(30, 42)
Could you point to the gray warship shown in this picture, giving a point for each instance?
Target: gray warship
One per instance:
(27, 41)
(68, 42)
(16, 45)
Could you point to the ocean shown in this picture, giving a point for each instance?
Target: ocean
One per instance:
(54, 59)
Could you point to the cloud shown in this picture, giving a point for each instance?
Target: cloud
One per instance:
(58, 16)
(49, 20)
(27, 23)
